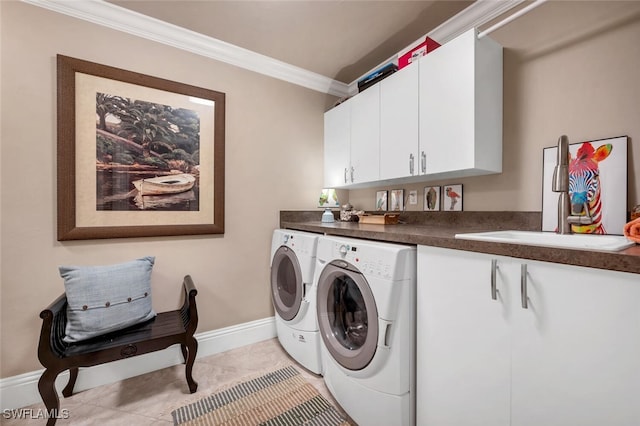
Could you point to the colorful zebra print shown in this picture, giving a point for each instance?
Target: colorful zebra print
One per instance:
(584, 186)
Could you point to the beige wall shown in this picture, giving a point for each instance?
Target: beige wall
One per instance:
(273, 161)
(569, 68)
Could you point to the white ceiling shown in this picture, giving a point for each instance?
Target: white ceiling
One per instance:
(340, 39)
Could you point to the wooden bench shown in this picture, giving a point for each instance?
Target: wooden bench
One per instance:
(166, 329)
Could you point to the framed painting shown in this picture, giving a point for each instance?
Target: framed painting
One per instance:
(138, 156)
(397, 200)
(597, 180)
(431, 198)
(381, 201)
(452, 198)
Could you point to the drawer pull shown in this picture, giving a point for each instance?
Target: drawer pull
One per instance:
(494, 288)
(523, 286)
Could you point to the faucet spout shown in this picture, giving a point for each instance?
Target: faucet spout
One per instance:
(560, 183)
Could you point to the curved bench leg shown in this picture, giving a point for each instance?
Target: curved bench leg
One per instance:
(73, 375)
(184, 352)
(47, 389)
(192, 349)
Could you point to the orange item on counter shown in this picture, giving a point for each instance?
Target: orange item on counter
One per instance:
(632, 230)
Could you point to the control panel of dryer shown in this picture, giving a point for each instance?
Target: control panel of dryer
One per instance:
(367, 262)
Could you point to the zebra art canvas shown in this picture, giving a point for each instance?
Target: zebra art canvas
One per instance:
(597, 186)
(584, 186)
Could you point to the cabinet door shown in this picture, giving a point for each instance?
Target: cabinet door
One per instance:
(337, 136)
(463, 349)
(576, 349)
(447, 105)
(365, 136)
(399, 124)
(461, 107)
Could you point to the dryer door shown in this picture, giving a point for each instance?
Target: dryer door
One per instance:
(286, 283)
(347, 315)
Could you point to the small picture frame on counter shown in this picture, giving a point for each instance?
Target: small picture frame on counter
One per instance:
(397, 200)
(413, 197)
(431, 198)
(381, 201)
(452, 198)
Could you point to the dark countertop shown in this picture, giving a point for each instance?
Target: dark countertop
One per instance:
(441, 231)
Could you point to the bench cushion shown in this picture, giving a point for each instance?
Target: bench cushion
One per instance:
(102, 299)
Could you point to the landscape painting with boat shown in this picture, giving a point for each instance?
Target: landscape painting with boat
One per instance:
(147, 155)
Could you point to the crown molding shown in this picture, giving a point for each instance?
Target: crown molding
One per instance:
(479, 13)
(118, 18)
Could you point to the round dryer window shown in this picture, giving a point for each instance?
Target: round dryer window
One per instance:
(347, 315)
(286, 283)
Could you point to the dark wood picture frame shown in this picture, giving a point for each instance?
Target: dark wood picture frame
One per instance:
(208, 220)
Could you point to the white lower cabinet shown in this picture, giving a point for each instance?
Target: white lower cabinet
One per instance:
(570, 357)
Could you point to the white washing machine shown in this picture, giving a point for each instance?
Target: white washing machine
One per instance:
(366, 316)
(293, 293)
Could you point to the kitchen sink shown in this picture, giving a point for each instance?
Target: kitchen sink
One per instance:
(551, 239)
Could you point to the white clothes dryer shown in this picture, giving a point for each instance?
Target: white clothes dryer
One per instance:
(366, 316)
(293, 293)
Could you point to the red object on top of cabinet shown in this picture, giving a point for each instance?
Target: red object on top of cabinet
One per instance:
(417, 52)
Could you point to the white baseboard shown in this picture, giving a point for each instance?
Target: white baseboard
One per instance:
(22, 390)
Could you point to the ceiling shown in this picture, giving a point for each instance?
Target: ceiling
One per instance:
(339, 39)
(327, 45)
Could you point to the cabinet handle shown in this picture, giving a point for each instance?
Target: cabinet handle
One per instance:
(523, 286)
(423, 161)
(351, 174)
(494, 288)
(411, 164)
(345, 175)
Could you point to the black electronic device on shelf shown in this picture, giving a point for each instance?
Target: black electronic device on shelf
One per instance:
(376, 76)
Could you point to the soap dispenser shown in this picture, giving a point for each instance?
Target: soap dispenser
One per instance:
(327, 216)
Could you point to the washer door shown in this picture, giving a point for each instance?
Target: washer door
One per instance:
(286, 283)
(347, 315)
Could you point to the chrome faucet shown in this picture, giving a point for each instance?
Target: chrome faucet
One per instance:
(560, 183)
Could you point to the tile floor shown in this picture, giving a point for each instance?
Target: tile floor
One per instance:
(149, 399)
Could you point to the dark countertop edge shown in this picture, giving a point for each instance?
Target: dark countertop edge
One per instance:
(440, 236)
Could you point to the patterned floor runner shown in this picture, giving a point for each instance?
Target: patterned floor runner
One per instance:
(281, 397)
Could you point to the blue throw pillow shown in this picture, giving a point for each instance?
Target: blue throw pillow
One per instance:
(102, 299)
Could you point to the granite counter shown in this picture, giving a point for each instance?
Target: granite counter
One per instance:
(438, 229)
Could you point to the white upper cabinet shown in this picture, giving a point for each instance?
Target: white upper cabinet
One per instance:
(461, 108)
(365, 136)
(440, 117)
(399, 124)
(352, 141)
(337, 139)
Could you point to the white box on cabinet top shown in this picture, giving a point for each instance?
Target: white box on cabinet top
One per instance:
(571, 357)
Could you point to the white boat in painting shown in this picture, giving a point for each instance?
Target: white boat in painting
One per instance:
(163, 202)
(170, 184)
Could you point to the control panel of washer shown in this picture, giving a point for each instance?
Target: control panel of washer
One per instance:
(302, 245)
